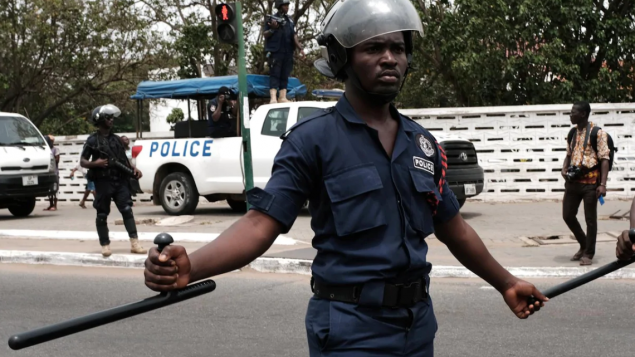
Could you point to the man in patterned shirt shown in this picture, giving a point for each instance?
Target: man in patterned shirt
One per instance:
(589, 185)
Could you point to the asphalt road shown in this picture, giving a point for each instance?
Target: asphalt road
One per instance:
(253, 314)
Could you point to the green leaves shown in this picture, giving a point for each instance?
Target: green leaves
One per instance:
(516, 52)
(62, 58)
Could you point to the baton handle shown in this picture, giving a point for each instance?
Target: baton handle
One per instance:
(588, 277)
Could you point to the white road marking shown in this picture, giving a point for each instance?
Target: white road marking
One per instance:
(122, 236)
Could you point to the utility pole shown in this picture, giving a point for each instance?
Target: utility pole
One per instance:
(244, 102)
(230, 30)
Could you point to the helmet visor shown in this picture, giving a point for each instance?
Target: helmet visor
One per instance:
(356, 21)
(109, 111)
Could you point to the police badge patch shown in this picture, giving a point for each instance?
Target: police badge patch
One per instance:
(425, 145)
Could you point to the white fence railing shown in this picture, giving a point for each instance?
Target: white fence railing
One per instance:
(521, 148)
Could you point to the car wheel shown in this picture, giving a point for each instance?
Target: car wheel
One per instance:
(23, 208)
(237, 206)
(462, 202)
(178, 194)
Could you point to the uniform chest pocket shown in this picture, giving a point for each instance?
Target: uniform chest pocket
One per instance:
(355, 196)
(423, 202)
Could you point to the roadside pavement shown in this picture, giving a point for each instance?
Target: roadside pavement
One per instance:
(530, 239)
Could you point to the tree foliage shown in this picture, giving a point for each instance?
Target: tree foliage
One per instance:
(192, 25)
(516, 52)
(62, 58)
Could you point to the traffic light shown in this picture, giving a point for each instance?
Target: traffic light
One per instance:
(226, 25)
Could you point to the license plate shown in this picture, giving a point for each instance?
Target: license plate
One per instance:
(29, 180)
(470, 189)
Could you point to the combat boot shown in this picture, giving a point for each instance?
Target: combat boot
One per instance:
(283, 96)
(274, 96)
(105, 250)
(135, 247)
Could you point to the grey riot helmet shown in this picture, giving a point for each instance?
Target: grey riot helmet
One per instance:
(281, 3)
(351, 22)
(103, 112)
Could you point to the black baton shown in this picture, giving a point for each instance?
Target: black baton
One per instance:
(588, 277)
(52, 332)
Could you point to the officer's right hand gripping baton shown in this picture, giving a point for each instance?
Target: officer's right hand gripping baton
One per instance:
(588, 277)
(52, 332)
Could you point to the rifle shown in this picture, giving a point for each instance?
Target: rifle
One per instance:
(112, 160)
(62, 329)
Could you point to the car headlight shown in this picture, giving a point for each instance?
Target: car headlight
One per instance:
(52, 165)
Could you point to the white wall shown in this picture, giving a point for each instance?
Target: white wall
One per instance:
(521, 148)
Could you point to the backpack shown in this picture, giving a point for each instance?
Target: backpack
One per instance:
(594, 142)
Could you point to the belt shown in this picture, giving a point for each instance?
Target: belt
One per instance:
(395, 295)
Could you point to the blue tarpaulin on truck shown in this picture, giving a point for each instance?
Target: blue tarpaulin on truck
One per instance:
(328, 93)
(258, 86)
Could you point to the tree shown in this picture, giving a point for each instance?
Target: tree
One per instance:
(175, 116)
(192, 23)
(519, 52)
(62, 58)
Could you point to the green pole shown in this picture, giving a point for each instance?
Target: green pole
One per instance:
(244, 102)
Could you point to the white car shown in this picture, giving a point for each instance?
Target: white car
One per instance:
(27, 167)
(177, 172)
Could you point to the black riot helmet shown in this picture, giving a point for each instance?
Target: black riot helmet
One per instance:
(351, 22)
(279, 3)
(103, 112)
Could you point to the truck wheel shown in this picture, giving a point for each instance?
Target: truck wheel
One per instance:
(23, 208)
(237, 206)
(462, 202)
(178, 194)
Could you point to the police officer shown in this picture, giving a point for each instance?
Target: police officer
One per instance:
(375, 182)
(280, 43)
(223, 112)
(110, 182)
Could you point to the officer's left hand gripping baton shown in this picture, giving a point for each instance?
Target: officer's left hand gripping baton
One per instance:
(588, 277)
(52, 332)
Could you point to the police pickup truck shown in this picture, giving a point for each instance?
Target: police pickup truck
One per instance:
(177, 172)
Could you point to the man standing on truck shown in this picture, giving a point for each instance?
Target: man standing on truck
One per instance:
(222, 112)
(281, 41)
(111, 183)
(375, 180)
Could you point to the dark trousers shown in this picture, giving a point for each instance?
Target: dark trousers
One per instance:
(118, 191)
(338, 329)
(574, 194)
(281, 67)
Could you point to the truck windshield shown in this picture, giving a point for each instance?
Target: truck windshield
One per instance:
(19, 131)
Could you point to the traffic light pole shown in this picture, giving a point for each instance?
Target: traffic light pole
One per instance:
(244, 102)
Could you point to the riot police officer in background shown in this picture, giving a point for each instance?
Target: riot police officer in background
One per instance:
(375, 180)
(280, 43)
(111, 183)
(223, 113)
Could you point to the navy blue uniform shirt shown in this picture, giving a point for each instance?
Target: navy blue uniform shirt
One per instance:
(226, 124)
(283, 38)
(370, 213)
